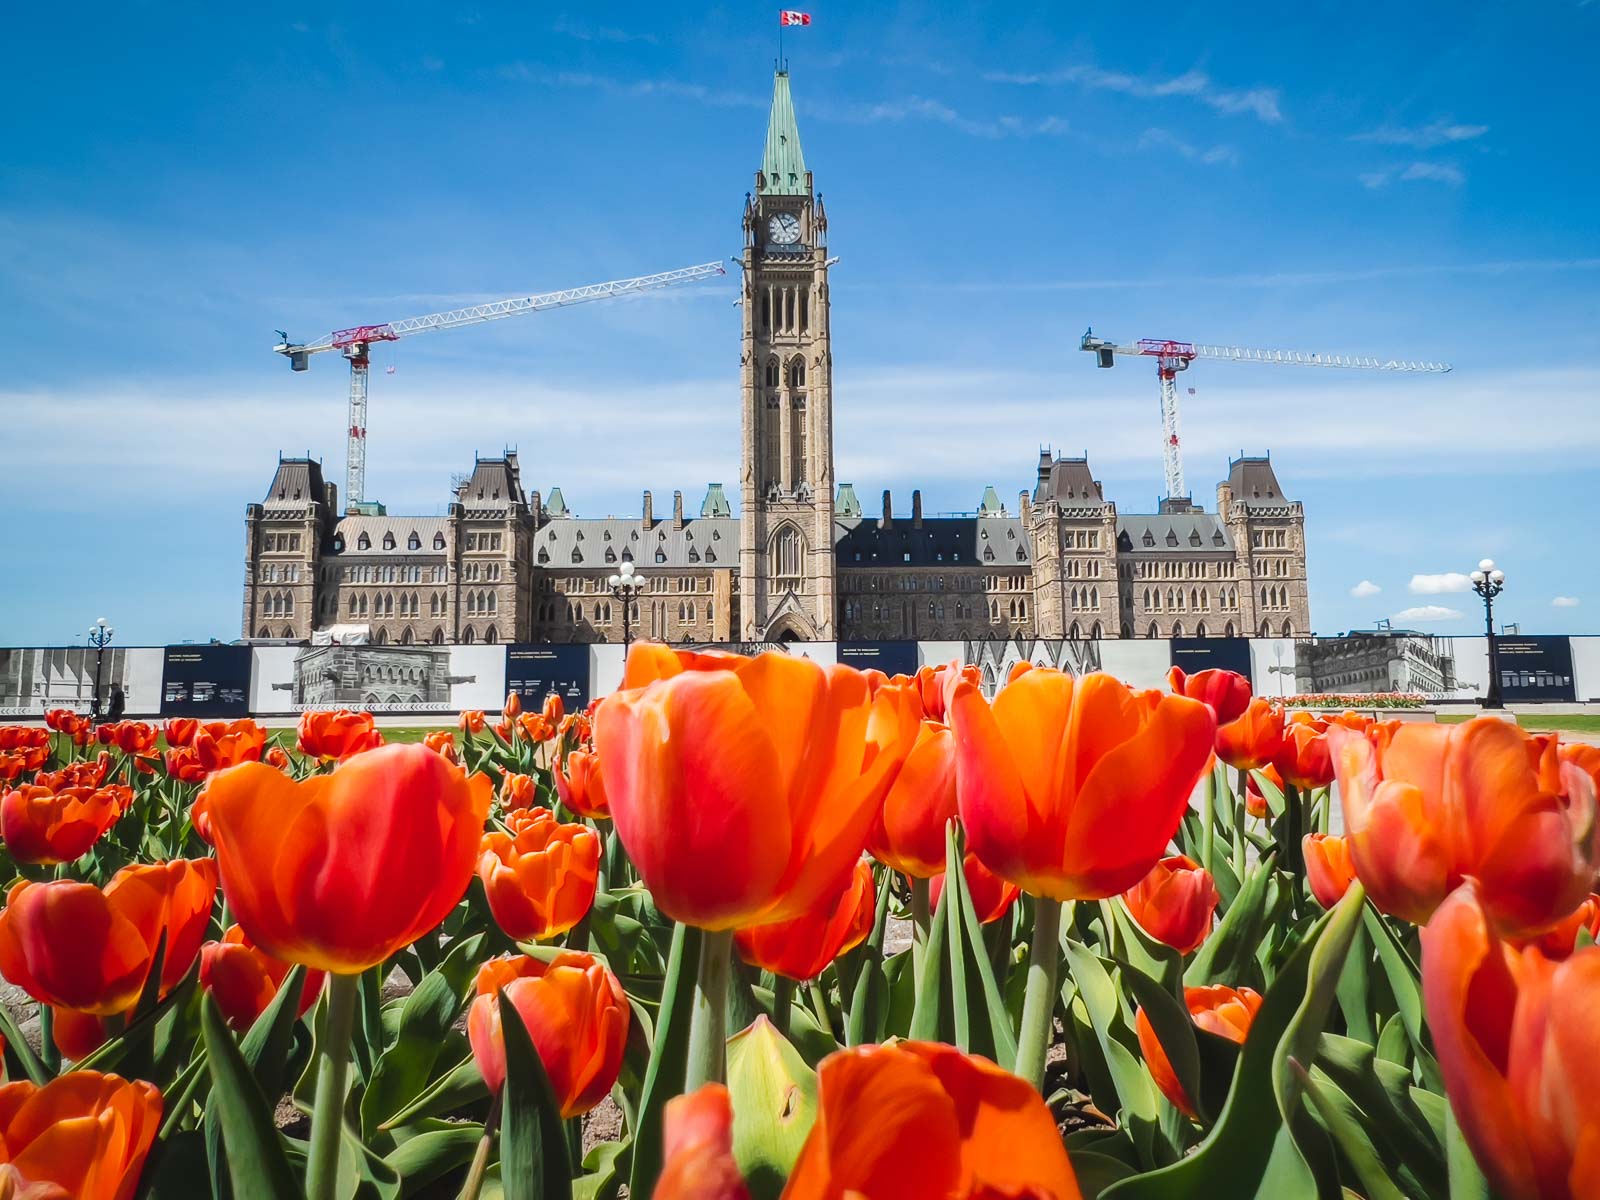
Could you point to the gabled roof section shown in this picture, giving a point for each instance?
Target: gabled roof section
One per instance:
(1193, 532)
(494, 482)
(845, 503)
(298, 482)
(999, 543)
(605, 543)
(783, 164)
(716, 502)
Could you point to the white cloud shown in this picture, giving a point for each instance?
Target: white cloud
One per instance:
(1196, 85)
(1425, 613)
(1423, 137)
(1435, 585)
(1411, 172)
(1565, 602)
(922, 108)
(1209, 156)
(1364, 589)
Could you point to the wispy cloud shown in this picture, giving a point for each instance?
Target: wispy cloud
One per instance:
(1161, 139)
(1410, 172)
(1262, 102)
(1364, 589)
(1565, 602)
(602, 33)
(675, 88)
(923, 108)
(1422, 137)
(1425, 613)
(1435, 585)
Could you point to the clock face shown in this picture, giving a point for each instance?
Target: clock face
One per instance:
(784, 229)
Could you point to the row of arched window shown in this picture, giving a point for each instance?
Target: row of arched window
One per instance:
(278, 604)
(1275, 597)
(414, 542)
(481, 604)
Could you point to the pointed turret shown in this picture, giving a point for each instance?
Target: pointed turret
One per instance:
(783, 166)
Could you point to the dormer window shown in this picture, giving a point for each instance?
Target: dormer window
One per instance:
(627, 554)
(1149, 539)
(694, 555)
(388, 541)
(1022, 555)
(1194, 538)
(413, 542)
(661, 555)
(438, 541)
(611, 555)
(577, 555)
(363, 542)
(338, 543)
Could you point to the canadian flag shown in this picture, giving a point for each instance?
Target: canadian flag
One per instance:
(790, 17)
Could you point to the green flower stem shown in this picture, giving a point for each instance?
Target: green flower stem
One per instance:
(782, 1003)
(708, 1024)
(327, 1118)
(1039, 1000)
(1241, 817)
(921, 922)
(48, 1054)
(1208, 816)
(820, 1006)
(480, 1158)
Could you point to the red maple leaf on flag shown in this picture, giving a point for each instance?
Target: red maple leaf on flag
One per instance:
(790, 17)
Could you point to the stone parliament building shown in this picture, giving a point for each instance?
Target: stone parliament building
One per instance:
(802, 561)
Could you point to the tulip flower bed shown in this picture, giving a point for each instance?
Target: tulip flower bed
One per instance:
(1337, 701)
(1140, 965)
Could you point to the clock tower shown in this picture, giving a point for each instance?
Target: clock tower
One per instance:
(786, 555)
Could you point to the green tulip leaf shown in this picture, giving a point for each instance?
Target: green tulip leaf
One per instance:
(533, 1141)
(774, 1095)
(669, 1056)
(257, 1165)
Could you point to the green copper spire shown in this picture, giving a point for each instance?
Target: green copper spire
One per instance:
(783, 163)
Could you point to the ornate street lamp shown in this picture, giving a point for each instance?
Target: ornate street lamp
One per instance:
(1489, 581)
(99, 637)
(626, 586)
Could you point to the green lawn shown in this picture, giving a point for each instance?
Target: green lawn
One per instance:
(1541, 722)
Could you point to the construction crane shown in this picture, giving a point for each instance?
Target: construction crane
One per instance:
(1172, 357)
(356, 344)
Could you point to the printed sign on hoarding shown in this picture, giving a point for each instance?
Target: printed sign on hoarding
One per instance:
(892, 658)
(534, 671)
(1535, 668)
(205, 681)
(1212, 654)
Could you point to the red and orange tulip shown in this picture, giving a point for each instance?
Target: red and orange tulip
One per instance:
(744, 793)
(45, 826)
(340, 871)
(337, 735)
(1219, 1009)
(1226, 693)
(1329, 870)
(131, 737)
(1175, 902)
(1426, 806)
(992, 897)
(697, 1151)
(1516, 1035)
(1073, 788)
(472, 721)
(909, 832)
(243, 980)
(580, 787)
(539, 878)
(220, 744)
(517, 791)
(1303, 758)
(915, 1120)
(180, 731)
(1252, 740)
(85, 1132)
(802, 947)
(576, 1014)
(935, 685)
(443, 743)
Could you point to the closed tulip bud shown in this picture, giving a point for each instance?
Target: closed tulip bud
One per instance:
(1073, 788)
(337, 735)
(775, 1097)
(472, 721)
(86, 1133)
(943, 1124)
(512, 708)
(554, 710)
(1516, 1035)
(278, 757)
(992, 897)
(580, 787)
(936, 686)
(1329, 870)
(340, 871)
(539, 878)
(802, 947)
(244, 981)
(1303, 759)
(793, 758)
(180, 731)
(222, 744)
(1252, 740)
(1226, 693)
(909, 832)
(44, 826)
(697, 1148)
(1225, 1011)
(517, 791)
(576, 1014)
(1426, 806)
(1175, 902)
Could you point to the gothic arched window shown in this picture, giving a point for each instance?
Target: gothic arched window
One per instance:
(772, 372)
(786, 556)
(797, 373)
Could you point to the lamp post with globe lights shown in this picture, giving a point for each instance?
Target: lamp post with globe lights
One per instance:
(99, 637)
(626, 586)
(1489, 581)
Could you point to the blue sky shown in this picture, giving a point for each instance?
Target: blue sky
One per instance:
(180, 180)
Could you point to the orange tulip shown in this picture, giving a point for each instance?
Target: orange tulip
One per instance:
(1073, 788)
(243, 980)
(801, 948)
(1516, 1035)
(180, 731)
(443, 743)
(85, 1132)
(340, 871)
(24, 737)
(184, 765)
(513, 707)
(744, 793)
(74, 946)
(1329, 870)
(580, 787)
(1561, 939)
(14, 1187)
(89, 773)
(337, 735)
(1252, 740)
(44, 826)
(1583, 755)
(936, 685)
(220, 744)
(1426, 806)
(540, 878)
(1227, 693)
(131, 737)
(697, 1150)
(1224, 1011)
(1304, 759)
(277, 756)
(650, 662)
(62, 720)
(517, 791)
(992, 897)
(554, 710)
(909, 832)
(916, 1120)
(536, 727)
(472, 721)
(576, 1014)
(1175, 902)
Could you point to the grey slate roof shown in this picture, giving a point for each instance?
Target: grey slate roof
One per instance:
(1255, 483)
(296, 483)
(993, 542)
(1190, 532)
(1067, 481)
(702, 542)
(351, 529)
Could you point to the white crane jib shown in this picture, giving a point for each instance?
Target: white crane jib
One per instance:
(356, 343)
(1172, 357)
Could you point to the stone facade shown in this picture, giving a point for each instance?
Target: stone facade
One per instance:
(802, 561)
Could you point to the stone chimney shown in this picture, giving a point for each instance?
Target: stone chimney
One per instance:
(888, 511)
(916, 508)
(649, 513)
(677, 511)
(1025, 507)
